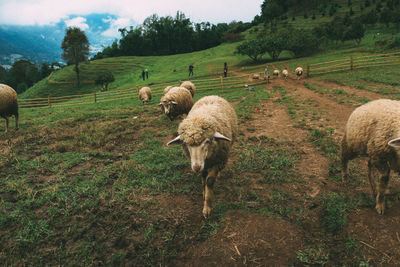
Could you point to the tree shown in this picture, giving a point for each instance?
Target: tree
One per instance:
(355, 32)
(23, 71)
(254, 49)
(275, 44)
(45, 70)
(103, 79)
(3, 74)
(76, 48)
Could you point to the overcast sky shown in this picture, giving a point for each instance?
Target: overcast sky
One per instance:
(44, 12)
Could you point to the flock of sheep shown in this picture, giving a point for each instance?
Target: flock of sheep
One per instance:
(210, 128)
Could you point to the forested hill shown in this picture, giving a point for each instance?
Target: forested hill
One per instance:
(172, 35)
(310, 13)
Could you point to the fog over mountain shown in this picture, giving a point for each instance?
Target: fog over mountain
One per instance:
(43, 43)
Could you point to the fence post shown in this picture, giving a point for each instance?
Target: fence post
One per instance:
(308, 70)
(137, 89)
(95, 100)
(351, 62)
(48, 101)
(222, 83)
(180, 82)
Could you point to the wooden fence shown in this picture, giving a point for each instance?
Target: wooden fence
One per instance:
(345, 64)
(218, 83)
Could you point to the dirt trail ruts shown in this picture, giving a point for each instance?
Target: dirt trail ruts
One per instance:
(349, 89)
(272, 120)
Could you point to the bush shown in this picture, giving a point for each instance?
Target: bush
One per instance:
(104, 79)
(22, 87)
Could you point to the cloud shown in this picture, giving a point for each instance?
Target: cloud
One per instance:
(79, 22)
(116, 24)
(43, 12)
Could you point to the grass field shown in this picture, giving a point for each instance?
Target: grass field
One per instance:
(96, 184)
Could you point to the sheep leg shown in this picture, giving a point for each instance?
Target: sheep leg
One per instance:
(208, 192)
(384, 172)
(7, 121)
(203, 181)
(16, 121)
(371, 178)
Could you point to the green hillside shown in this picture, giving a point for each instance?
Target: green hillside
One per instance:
(127, 71)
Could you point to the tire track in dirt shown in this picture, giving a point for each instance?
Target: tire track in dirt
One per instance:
(349, 89)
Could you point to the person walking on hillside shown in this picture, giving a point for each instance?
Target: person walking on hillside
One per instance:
(225, 69)
(143, 75)
(147, 73)
(191, 70)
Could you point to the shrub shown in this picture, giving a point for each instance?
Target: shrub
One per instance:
(104, 79)
(233, 37)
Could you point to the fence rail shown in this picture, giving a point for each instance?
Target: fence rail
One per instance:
(219, 83)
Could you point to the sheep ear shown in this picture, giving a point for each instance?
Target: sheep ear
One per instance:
(217, 135)
(394, 142)
(177, 140)
(174, 102)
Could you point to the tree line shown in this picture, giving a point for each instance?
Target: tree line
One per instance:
(172, 35)
(23, 74)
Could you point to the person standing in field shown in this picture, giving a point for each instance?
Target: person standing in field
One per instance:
(191, 70)
(143, 75)
(147, 73)
(225, 69)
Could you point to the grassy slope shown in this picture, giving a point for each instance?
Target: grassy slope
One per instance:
(127, 71)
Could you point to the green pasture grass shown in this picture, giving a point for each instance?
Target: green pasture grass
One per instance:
(127, 71)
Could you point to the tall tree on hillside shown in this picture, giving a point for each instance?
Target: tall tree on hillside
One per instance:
(76, 48)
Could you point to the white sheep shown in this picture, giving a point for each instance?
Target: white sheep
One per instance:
(285, 73)
(299, 72)
(144, 94)
(167, 89)
(373, 130)
(256, 76)
(190, 86)
(207, 135)
(176, 102)
(8, 104)
(276, 73)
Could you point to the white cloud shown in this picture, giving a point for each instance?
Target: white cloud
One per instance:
(79, 22)
(42, 12)
(116, 24)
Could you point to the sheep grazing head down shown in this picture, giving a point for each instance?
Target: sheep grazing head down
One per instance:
(167, 106)
(198, 142)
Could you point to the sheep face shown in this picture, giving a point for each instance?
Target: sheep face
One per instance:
(198, 153)
(167, 107)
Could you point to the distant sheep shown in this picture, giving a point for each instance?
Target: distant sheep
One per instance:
(167, 89)
(145, 94)
(299, 72)
(285, 73)
(373, 130)
(190, 86)
(207, 135)
(256, 76)
(8, 104)
(276, 73)
(176, 102)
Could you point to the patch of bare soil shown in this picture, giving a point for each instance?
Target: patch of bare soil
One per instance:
(248, 239)
(350, 90)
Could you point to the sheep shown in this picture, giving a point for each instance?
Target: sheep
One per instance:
(373, 130)
(256, 76)
(207, 135)
(176, 102)
(299, 71)
(145, 94)
(276, 73)
(167, 89)
(8, 104)
(285, 73)
(190, 86)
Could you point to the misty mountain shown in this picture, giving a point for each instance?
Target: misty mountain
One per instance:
(43, 43)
